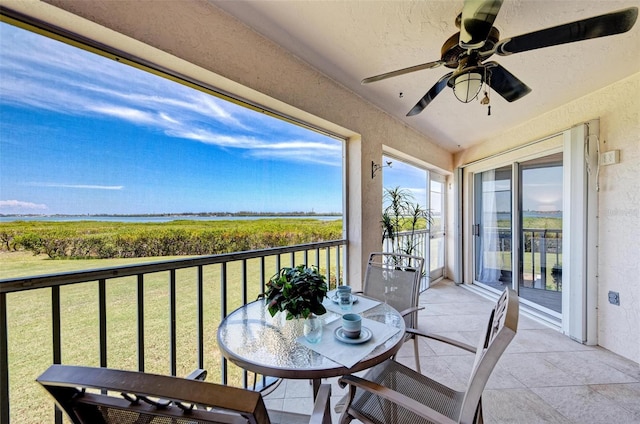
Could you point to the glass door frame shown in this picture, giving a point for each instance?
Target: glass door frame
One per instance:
(549, 146)
(519, 234)
(579, 145)
(438, 233)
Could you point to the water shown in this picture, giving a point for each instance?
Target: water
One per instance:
(159, 219)
(313, 327)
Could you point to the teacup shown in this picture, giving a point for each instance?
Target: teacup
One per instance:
(351, 325)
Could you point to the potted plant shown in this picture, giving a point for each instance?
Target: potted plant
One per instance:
(298, 291)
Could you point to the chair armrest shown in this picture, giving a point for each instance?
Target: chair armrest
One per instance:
(322, 408)
(411, 310)
(197, 374)
(442, 339)
(397, 398)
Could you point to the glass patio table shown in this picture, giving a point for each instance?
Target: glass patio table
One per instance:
(272, 346)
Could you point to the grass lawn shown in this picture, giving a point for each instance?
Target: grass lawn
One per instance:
(29, 322)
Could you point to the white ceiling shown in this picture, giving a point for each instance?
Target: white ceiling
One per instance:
(349, 40)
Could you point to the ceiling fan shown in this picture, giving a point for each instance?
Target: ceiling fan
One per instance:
(478, 39)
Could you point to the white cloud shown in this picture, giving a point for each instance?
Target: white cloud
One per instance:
(290, 150)
(45, 74)
(126, 113)
(18, 204)
(76, 186)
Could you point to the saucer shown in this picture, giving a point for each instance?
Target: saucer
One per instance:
(335, 299)
(365, 336)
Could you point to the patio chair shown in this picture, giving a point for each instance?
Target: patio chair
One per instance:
(393, 393)
(103, 396)
(395, 279)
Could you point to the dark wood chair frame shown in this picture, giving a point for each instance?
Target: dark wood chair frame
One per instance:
(84, 394)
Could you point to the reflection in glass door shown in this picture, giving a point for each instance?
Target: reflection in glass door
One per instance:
(540, 276)
(492, 228)
(436, 230)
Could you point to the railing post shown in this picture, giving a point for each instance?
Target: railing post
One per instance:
(244, 281)
(263, 276)
(140, 312)
(328, 264)
(56, 339)
(543, 259)
(337, 266)
(223, 312)
(4, 362)
(200, 301)
(173, 355)
(102, 314)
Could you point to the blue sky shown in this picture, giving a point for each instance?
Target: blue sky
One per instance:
(82, 134)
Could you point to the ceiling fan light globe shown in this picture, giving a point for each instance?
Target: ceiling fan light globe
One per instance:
(466, 87)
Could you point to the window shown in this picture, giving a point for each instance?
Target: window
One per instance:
(84, 134)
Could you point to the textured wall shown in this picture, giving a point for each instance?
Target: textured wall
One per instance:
(618, 107)
(619, 212)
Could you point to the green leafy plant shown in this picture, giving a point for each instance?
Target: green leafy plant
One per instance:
(403, 215)
(297, 291)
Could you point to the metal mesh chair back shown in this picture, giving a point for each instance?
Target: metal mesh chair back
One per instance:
(393, 393)
(395, 279)
(501, 329)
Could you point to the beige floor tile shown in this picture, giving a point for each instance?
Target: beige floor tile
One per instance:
(627, 396)
(544, 340)
(582, 404)
(518, 406)
(587, 368)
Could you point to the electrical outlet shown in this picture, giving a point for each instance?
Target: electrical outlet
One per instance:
(609, 158)
(614, 298)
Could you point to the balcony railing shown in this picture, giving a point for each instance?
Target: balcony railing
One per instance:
(196, 293)
(419, 240)
(541, 259)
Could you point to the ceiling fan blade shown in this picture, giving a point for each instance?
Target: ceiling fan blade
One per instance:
(428, 65)
(505, 83)
(477, 19)
(431, 94)
(598, 26)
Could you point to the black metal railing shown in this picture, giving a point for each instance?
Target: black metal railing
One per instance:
(543, 245)
(541, 263)
(251, 271)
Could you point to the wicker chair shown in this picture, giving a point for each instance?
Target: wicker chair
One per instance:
(395, 279)
(103, 396)
(393, 393)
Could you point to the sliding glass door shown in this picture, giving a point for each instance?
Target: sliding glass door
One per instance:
(540, 276)
(492, 228)
(528, 221)
(518, 220)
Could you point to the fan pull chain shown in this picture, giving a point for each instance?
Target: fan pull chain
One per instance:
(485, 100)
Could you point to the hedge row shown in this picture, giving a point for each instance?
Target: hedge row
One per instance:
(110, 240)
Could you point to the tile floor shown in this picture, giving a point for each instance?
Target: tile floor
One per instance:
(543, 377)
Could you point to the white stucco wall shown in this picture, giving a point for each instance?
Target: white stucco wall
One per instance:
(618, 107)
(229, 55)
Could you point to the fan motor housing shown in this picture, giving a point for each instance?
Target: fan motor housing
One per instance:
(451, 50)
